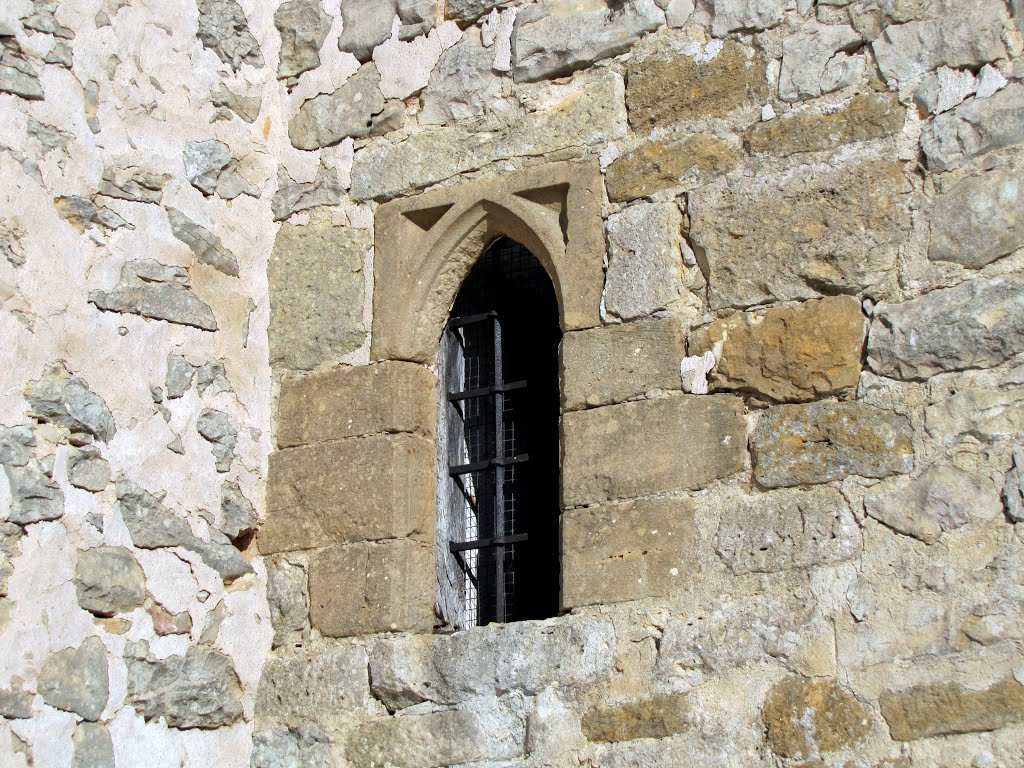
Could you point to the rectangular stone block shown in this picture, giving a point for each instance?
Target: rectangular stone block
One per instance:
(306, 685)
(678, 443)
(614, 363)
(947, 708)
(357, 589)
(654, 718)
(361, 489)
(627, 551)
(350, 402)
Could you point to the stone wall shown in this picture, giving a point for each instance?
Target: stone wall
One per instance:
(791, 275)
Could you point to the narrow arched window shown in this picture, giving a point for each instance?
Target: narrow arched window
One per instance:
(498, 445)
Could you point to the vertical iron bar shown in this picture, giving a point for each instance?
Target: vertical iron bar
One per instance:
(499, 472)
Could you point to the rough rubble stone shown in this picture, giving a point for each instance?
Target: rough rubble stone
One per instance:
(365, 25)
(665, 91)
(238, 516)
(157, 291)
(202, 242)
(617, 362)
(554, 38)
(979, 220)
(50, 137)
(34, 496)
(977, 324)
(975, 128)
(789, 353)
(108, 580)
(286, 595)
(42, 19)
(677, 443)
(331, 680)
(167, 623)
(308, 746)
(204, 161)
(221, 430)
(87, 469)
(468, 11)
(866, 117)
(944, 89)
(224, 29)
(312, 267)
(93, 747)
(80, 212)
(10, 535)
(946, 708)
(727, 16)
(197, 690)
(645, 262)
(16, 703)
(294, 196)
(462, 85)
(246, 107)
(91, 105)
(211, 374)
(808, 717)
(303, 27)
(818, 232)
(133, 184)
(941, 499)
(60, 398)
(828, 440)
(16, 445)
(814, 62)
(179, 375)
(654, 718)
(355, 110)
(17, 76)
(983, 414)
(1013, 487)
(75, 679)
(776, 531)
(661, 164)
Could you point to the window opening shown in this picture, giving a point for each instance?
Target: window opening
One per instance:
(498, 510)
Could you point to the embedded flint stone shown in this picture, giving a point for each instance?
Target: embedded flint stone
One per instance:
(295, 196)
(87, 469)
(202, 242)
(108, 580)
(303, 27)
(75, 679)
(238, 517)
(221, 431)
(204, 161)
(60, 398)
(157, 291)
(17, 76)
(80, 212)
(224, 29)
(93, 747)
(133, 184)
(356, 109)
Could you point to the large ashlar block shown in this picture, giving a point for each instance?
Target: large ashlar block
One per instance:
(387, 397)
(362, 489)
(627, 551)
(678, 443)
(617, 362)
(357, 589)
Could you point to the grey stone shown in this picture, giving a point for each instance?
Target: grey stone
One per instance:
(286, 595)
(224, 29)
(294, 196)
(221, 430)
(179, 375)
(197, 690)
(463, 85)
(237, 513)
(246, 107)
(977, 324)
(16, 703)
(979, 220)
(133, 184)
(828, 440)
(91, 105)
(93, 747)
(783, 529)
(352, 110)
(983, 414)
(61, 53)
(279, 747)
(204, 161)
(34, 496)
(468, 11)
(50, 137)
(154, 290)
(303, 27)
(80, 212)
(75, 679)
(945, 89)
(17, 76)
(231, 183)
(13, 255)
(16, 444)
(645, 263)
(211, 375)
(814, 60)
(204, 244)
(87, 469)
(108, 580)
(975, 128)
(42, 19)
(10, 535)
(330, 679)
(365, 25)
(732, 15)
(1013, 487)
(554, 38)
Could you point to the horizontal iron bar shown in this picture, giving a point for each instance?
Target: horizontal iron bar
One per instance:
(462, 546)
(468, 394)
(476, 466)
(458, 322)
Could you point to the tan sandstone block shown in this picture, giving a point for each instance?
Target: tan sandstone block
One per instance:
(654, 718)
(386, 397)
(675, 443)
(794, 353)
(627, 551)
(617, 362)
(387, 586)
(946, 708)
(360, 489)
(659, 165)
(804, 716)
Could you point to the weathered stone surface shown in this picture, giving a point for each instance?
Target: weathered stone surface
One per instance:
(352, 402)
(246, 107)
(286, 595)
(728, 16)
(462, 85)
(60, 398)
(34, 496)
(87, 469)
(944, 89)
(595, 113)
(385, 481)
(791, 353)
(293, 196)
(365, 25)
(1013, 488)
(10, 535)
(617, 362)
(17, 76)
(80, 212)
(179, 375)
(627, 551)
(866, 117)
(203, 243)
(660, 164)
(645, 262)
(653, 446)
(197, 690)
(328, 681)
(654, 718)
(316, 294)
(42, 19)
(389, 586)
(941, 499)
(16, 445)
(204, 161)
(814, 61)
(808, 717)
(968, 36)
(977, 324)
(983, 414)
(75, 679)
(109, 581)
(828, 440)
(133, 184)
(221, 431)
(303, 27)
(157, 291)
(356, 109)
(238, 517)
(947, 708)
(666, 91)
(167, 623)
(468, 11)
(280, 747)
(975, 128)
(16, 703)
(819, 231)
(557, 37)
(979, 220)
(93, 747)
(224, 29)
(771, 532)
